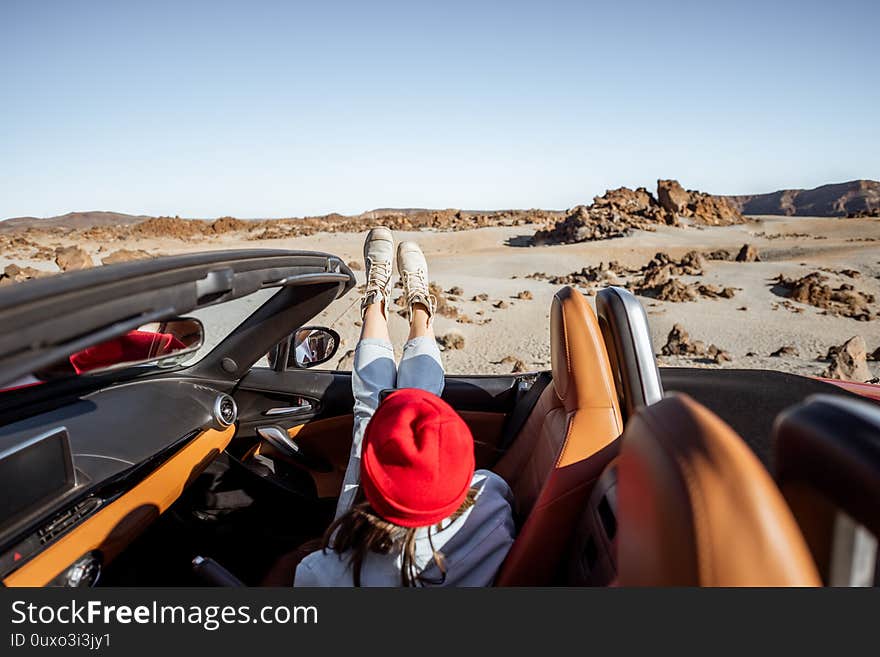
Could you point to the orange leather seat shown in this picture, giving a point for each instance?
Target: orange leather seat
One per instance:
(564, 445)
(695, 507)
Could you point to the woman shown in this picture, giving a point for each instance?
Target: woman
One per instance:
(412, 511)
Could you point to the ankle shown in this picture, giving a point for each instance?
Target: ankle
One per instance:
(420, 321)
(373, 306)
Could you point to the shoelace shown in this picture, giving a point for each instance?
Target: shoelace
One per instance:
(380, 276)
(419, 286)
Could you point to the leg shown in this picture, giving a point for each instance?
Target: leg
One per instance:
(421, 365)
(374, 369)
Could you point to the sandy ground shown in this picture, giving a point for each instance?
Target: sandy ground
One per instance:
(488, 261)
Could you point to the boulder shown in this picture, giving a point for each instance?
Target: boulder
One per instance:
(678, 342)
(125, 255)
(748, 253)
(451, 340)
(69, 258)
(672, 196)
(848, 361)
(15, 274)
(814, 290)
(518, 365)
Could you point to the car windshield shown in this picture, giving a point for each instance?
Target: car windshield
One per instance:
(220, 320)
(166, 344)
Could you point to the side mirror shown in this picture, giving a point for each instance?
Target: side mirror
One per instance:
(306, 347)
(164, 343)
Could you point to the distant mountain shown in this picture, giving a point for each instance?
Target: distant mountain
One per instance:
(80, 220)
(833, 200)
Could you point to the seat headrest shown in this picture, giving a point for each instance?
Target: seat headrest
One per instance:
(697, 508)
(582, 375)
(832, 445)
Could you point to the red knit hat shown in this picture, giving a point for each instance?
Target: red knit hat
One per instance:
(417, 460)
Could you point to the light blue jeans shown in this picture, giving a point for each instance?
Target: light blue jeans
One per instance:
(374, 370)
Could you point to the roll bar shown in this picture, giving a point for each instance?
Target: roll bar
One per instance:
(624, 326)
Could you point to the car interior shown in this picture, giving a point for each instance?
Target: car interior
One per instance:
(153, 470)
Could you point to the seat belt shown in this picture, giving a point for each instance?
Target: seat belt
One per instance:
(523, 409)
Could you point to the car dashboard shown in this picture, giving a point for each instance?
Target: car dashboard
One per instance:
(109, 463)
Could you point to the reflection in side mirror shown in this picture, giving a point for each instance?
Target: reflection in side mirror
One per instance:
(164, 343)
(307, 347)
(312, 345)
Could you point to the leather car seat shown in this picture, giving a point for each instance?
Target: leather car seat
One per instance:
(695, 507)
(564, 445)
(827, 462)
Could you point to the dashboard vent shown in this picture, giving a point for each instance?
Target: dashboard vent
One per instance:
(225, 411)
(67, 519)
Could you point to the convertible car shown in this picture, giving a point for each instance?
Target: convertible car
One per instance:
(146, 440)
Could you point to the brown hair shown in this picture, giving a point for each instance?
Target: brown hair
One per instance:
(361, 530)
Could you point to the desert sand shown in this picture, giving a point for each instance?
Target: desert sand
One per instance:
(490, 261)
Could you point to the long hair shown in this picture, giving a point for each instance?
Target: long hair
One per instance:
(361, 530)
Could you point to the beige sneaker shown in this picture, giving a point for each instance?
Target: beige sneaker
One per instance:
(378, 259)
(413, 270)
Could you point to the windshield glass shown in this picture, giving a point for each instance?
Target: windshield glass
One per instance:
(166, 344)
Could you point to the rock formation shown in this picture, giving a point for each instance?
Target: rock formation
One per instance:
(72, 257)
(620, 211)
(124, 255)
(748, 253)
(843, 300)
(849, 198)
(848, 361)
(679, 343)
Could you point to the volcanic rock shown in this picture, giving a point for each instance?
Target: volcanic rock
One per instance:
(812, 289)
(443, 308)
(672, 196)
(124, 255)
(714, 292)
(15, 274)
(171, 227)
(518, 365)
(229, 224)
(69, 258)
(848, 361)
(451, 340)
(786, 350)
(679, 343)
(864, 214)
(525, 295)
(748, 253)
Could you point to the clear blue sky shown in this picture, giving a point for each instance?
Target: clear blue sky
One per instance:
(285, 108)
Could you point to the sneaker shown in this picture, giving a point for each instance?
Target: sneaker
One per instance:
(378, 259)
(413, 270)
